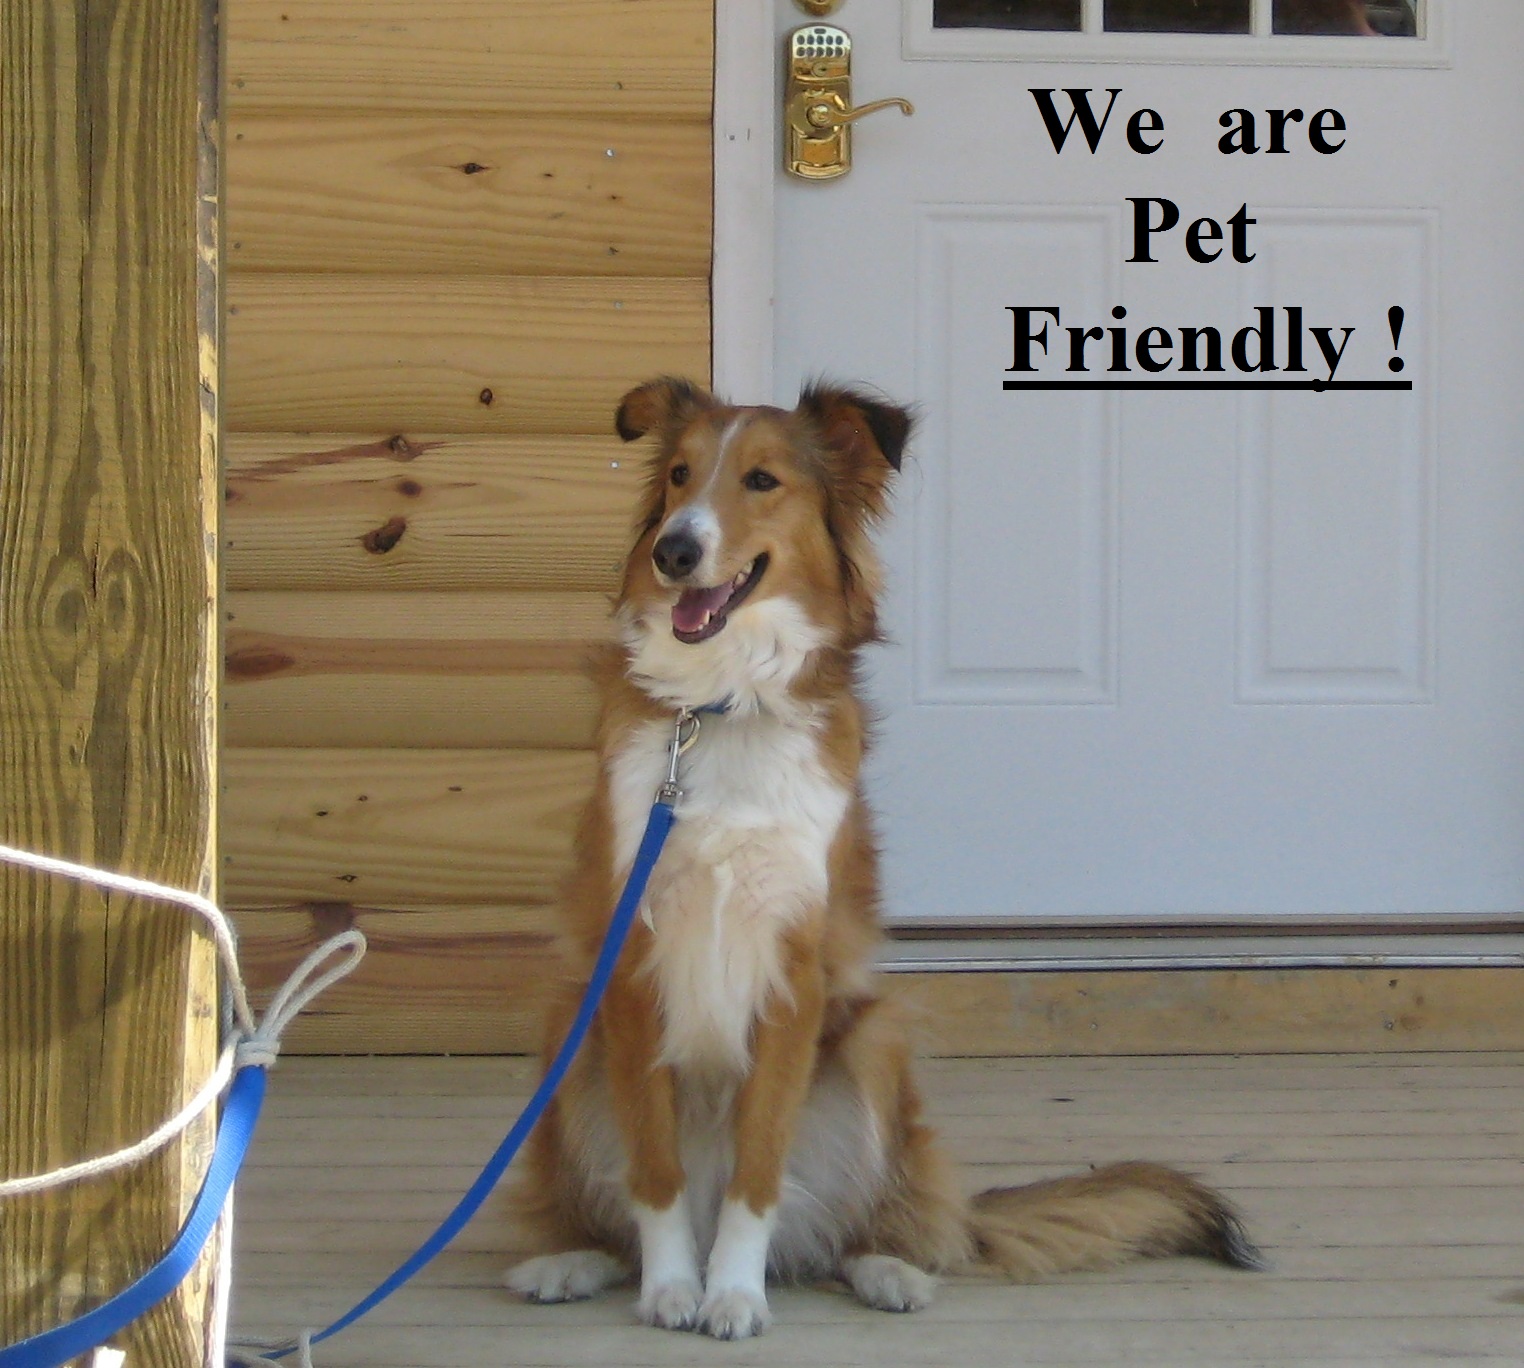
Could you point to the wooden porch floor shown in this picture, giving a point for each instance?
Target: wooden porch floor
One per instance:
(1388, 1191)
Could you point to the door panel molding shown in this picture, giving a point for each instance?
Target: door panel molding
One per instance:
(1035, 511)
(1337, 596)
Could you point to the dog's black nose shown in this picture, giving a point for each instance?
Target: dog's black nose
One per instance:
(677, 554)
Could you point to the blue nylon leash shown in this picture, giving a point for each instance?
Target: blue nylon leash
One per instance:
(657, 826)
(54, 1348)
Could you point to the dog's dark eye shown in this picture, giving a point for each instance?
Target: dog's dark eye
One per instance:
(679, 476)
(759, 480)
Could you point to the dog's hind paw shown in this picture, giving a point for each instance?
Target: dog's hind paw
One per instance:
(734, 1314)
(671, 1305)
(573, 1276)
(888, 1284)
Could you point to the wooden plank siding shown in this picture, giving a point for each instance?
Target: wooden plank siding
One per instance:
(491, 354)
(399, 826)
(316, 511)
(457, 234)
(109, 1005)
(613, 60)
(493, 194)
(457, 669)
(477, 974)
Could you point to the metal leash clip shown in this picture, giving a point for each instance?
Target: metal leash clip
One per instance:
(684, 733)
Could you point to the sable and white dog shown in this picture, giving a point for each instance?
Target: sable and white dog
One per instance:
(744, 1104)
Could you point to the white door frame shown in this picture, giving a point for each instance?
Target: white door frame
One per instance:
(745, 155)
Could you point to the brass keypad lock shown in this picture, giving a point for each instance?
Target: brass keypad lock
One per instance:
(818, 113)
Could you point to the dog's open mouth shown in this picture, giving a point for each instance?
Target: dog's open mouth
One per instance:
(699, 613)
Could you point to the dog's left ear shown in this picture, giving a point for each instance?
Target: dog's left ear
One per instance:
(856, 424)
(863, 441)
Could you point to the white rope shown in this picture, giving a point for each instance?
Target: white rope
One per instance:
(143, 888)
(253, 1042)
(209, 1092)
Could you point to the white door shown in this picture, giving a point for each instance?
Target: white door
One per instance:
(1188, 651)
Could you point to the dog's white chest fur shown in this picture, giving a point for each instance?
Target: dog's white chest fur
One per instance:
(747, 858)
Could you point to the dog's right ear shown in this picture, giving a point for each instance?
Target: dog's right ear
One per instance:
(659, 403)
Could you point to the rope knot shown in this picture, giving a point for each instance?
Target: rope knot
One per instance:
(256, 1051)
(252, 1043)
(260, 1047)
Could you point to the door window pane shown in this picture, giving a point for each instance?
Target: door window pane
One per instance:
(1368, 18)
(1371, 18)
(1177, 16)
(1063, 15)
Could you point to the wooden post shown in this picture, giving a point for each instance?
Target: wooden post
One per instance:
(108, 517)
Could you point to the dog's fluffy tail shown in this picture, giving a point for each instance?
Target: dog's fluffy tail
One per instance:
(1097, 1219)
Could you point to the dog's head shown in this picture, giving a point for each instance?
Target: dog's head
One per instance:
(754, 534)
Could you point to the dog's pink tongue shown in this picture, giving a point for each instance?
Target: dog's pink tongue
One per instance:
(692, 610)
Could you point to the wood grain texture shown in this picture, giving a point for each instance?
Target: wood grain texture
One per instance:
(492, 712)
(108, 1011)
(477, 194)
(387, 827)
(452, 353)
(579, 57)
(411, 669)
(310, 510)
(460, 979)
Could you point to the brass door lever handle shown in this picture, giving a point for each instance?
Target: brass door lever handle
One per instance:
(825, 115)
(817, 108)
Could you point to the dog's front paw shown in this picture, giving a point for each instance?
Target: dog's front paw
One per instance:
(734, 1313)
(671, 1305)
(889, 1284)
(572, 1276)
